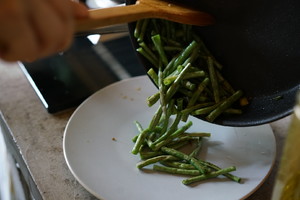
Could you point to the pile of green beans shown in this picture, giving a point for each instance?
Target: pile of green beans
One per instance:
(189, 83)
(187, 69)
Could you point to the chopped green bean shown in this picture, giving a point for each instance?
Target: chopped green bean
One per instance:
(208, 175)
(143, 30)
(183, 156)
(176, 84)
(177, 164)
(189, 82)
(140, 141)
(147, 56)
(159, 47)
(224, 105)
(195, 96)
(186, 53)
(172, 170)
(153, 76)
(153, 99)
(154, 160)
(213, 78)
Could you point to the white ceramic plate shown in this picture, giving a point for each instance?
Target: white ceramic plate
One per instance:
(106, 167)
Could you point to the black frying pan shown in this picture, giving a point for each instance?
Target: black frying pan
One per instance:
(258, 42)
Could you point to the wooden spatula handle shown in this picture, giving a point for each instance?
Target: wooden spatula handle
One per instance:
(114, 15)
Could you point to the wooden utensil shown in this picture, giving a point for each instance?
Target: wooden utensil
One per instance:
(172, 11)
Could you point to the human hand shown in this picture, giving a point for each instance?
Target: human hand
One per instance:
(33, 29)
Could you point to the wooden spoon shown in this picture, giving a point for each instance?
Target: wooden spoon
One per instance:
(172, 11)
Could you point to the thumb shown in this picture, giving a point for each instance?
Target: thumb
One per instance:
(80, 11)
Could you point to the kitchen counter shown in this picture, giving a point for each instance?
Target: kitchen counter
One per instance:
(38, 138)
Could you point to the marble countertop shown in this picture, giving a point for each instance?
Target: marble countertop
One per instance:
(38, 136)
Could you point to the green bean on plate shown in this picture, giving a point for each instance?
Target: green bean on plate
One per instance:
(190, 83)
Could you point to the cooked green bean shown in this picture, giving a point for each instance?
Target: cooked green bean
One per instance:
(176, 84)
(176, 164)
(224, 105)
(173, 135)
(140, 141)
(159, 47)
(186, 53)
(213, 78)
(143, 31)
(194, 97)
(153, 75)
(149, 52)
(154, 160)
(189, 82)
(185, 157)
(173, 170)
(208, 175)
(145, 54)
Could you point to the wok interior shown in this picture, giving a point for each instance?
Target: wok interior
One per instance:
(258, 44)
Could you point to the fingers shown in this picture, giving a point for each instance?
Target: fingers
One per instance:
(17, 39)
(38, 28)
(79, 10)
(53, 25)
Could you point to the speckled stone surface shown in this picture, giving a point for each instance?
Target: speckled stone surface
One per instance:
(39, 136)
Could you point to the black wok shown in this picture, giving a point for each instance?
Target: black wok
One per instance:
(258, 42)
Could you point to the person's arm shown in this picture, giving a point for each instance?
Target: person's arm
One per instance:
(33, 29)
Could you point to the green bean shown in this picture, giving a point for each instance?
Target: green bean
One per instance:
(167, 116)
(224, 105)
(183, 156)
(194, 55)
(191, 109)
(189, 82)
(169, 67)
(143, 30)
(153, 75)
(140, 129)
(199, 134)
(154, 160)
(170, 130)
(214, 167)
(147, 56)
(162, 91)
(156, 118)
(137, 29)
(172, 48)
(233, 111)
(179, 143)
(189, 75)
(177, 164)
(213, 78)
(159, 47)
(176, 84)
(208, 175)
(186, 53)
(144, 155)
(172, 170)
(173, 135)
(139, 141)
(195, 96)
(206, 51)
(155, 25)
(153, 99)
(197, 149)
(225, 83)
(148, 51)
(206, 110)
(195, 74)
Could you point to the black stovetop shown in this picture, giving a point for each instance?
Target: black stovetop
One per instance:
(65, 80)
